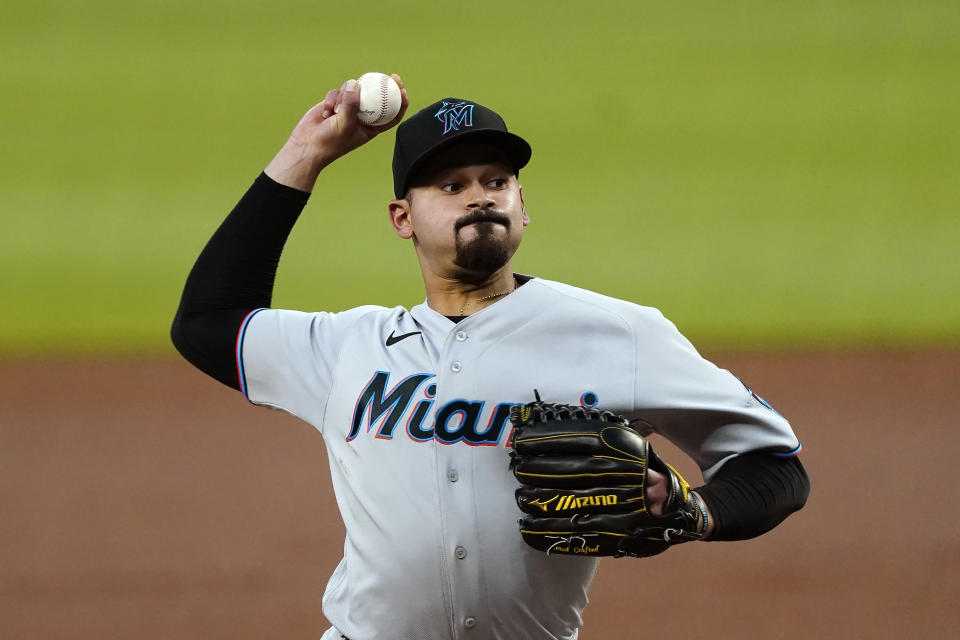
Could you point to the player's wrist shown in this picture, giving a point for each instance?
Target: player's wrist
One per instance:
(705, 522)
(297, 165)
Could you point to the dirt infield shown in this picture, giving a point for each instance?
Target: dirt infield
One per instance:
(142, 500)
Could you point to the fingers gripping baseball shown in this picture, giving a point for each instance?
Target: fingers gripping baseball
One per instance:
(332, 126)
(329, 130)
(591, 485)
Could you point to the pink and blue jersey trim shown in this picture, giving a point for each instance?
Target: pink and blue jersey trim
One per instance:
(789, 454)
(241, 375)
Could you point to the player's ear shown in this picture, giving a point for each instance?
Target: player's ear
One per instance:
(399, 212)
(523, 208)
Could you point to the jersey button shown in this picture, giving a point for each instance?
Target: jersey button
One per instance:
(461, 553)
(469, 622)
(461, 336)
(452, 475)
(455, 367)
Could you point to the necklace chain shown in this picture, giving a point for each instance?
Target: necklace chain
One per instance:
(490, 297)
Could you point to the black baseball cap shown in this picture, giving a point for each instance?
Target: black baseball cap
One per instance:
(441, 125)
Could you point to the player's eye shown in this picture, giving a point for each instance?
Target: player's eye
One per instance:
(451, 187)
(498, 183)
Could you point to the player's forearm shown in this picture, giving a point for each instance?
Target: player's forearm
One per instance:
(753, 493)
(234, 274)
(237, 267)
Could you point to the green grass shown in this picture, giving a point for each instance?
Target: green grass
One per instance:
(768, 174)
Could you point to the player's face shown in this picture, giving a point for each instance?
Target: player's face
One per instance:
(465, 215)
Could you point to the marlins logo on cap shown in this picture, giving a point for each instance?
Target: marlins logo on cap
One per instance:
(419, 137)
(454, 115)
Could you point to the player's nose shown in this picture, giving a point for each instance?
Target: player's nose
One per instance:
(478, 197)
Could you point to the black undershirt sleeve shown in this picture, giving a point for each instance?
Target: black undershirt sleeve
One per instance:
(233, 276)
(754, 492)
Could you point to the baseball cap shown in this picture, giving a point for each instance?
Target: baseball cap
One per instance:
(441, 125)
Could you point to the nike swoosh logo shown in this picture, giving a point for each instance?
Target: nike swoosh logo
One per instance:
(391, 340)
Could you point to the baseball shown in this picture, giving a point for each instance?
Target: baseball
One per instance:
(379, 99)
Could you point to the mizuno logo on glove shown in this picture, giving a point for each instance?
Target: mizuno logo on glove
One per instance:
(571, 501)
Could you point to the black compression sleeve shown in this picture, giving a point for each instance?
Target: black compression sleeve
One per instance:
(754, 492)
(234, 275)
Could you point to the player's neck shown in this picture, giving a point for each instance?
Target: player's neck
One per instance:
(452, 297)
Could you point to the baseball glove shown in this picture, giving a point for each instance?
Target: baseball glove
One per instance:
(583, 475)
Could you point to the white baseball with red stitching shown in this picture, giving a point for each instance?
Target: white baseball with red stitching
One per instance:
(379, 99)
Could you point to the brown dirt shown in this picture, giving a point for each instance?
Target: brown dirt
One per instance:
(142, 500)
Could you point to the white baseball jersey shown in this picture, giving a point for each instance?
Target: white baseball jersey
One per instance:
(414, 412)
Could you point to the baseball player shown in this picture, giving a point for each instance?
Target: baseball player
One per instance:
(501, 398)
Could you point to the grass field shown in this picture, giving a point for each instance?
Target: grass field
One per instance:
(768, 174)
